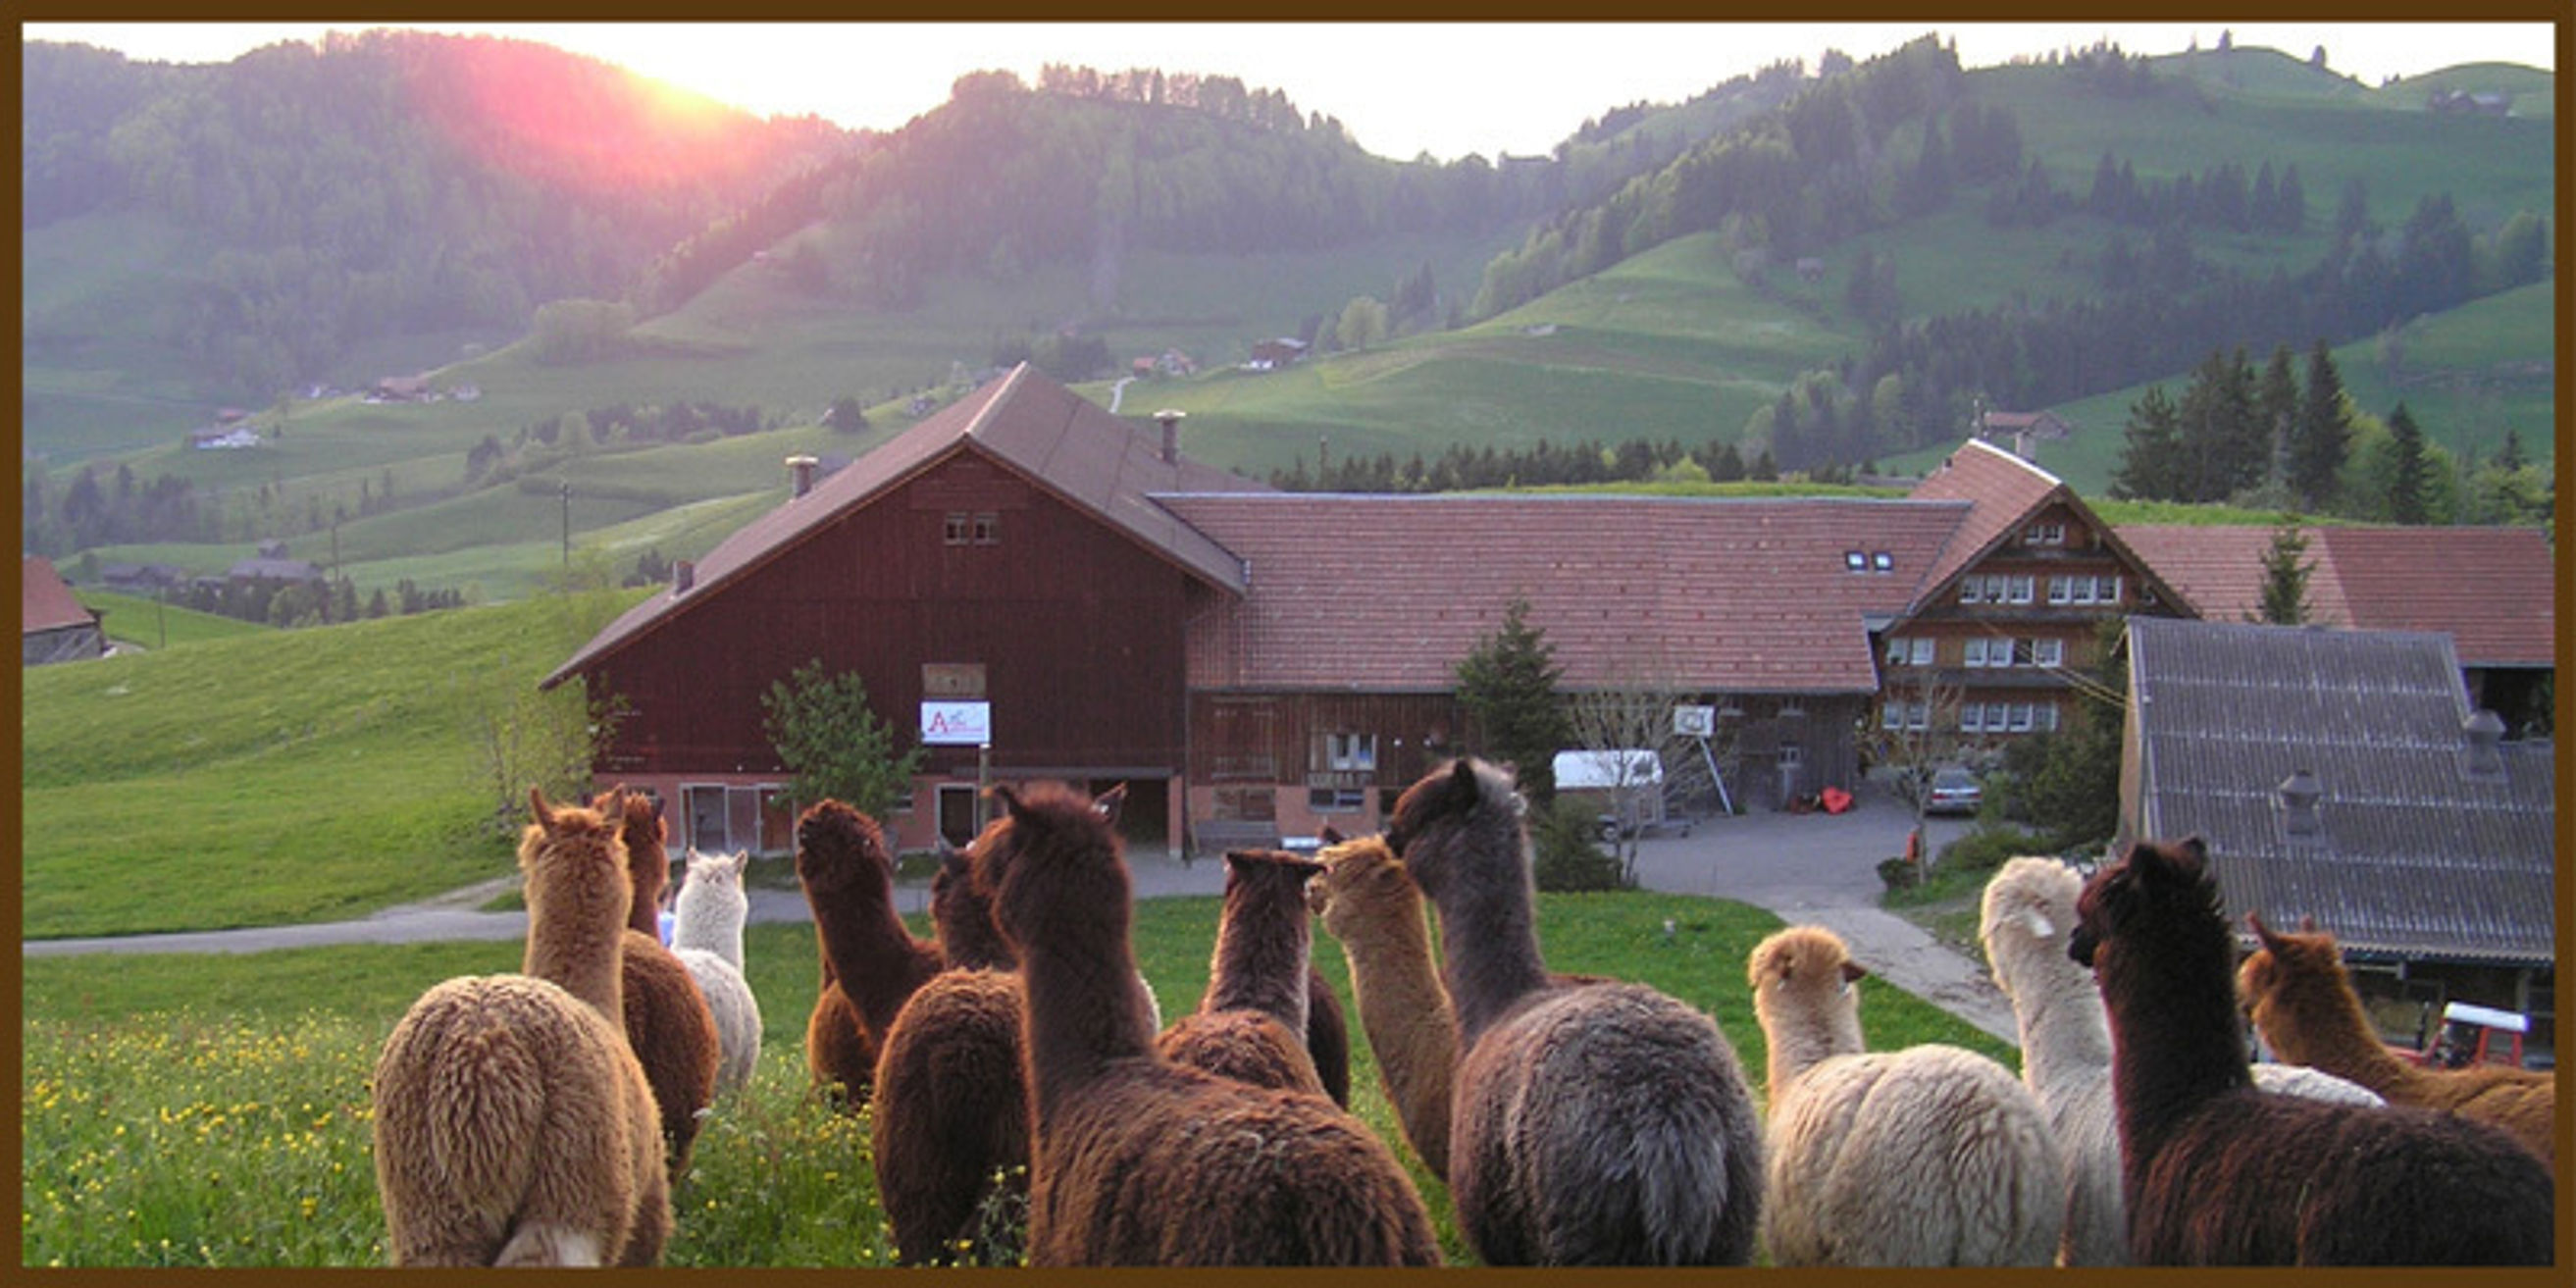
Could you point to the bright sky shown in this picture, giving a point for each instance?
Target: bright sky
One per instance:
(1400, 88)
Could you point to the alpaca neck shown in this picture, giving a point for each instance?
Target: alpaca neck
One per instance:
(586, 965)
(870, 953)
(2064, 1034)
(2174, 1036)
(711, 930)
(1397, 987)
(2325, 1028)
(1263, 944)
(1492, 938)
(1801, 1037)
(1085, 1006)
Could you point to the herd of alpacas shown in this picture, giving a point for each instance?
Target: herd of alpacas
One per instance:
(1017, 1063)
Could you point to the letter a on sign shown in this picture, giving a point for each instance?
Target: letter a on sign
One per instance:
(956, 724)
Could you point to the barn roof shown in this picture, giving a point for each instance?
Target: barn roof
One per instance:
(1059, 441)
(2492, 590)
(1387, 593)
(2005, 491)
(2420, 853)
(46, 603)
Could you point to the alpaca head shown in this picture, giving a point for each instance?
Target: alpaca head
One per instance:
(2288, 971)
(640, 825)
(1462, 821)
(713, 888)
(963, 916)
(2025, 919)
(2159, 890)
(573, 863)
(1806, 971)
(1262, 873)
(1052, 865)
(840, 852)
(1360, 877)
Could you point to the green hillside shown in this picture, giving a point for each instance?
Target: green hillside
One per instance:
(148, 623)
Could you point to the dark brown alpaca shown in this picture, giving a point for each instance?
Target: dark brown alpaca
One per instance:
(668, 1021)
(871, 964)
(1139, 1162)
(1251, 1021)
(952, 1107)
(2303, 1004)
(2214, 1172)
(1592, 1124)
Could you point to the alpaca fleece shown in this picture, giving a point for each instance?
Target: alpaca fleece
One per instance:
(2217, 1173)
(512, 1124)
(1251, 1020)
(2027, 915)
(1929, 1156)
(668, 1021)
(871, 964)
(1601, 1124)
(1370, 903)
(1139, 1162)
(706, 935)
(2303, 1004)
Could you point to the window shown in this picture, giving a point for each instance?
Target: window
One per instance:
(1998, 715)
(1976, 653)
(958, 530)
(2025, 653)
(1923, 652)
(1896, 651)
(1855, 561)
(1346, 751)
(2021, 717)
(1904, 651)
(2108, 588)
(2061, 590)
(1971, 589)
(1337, 800)
(1891, 715)
(2044, 534)
(2046, 717)
(1882, 561)
(1972, 718)
(1792, 755)
(2048, 653)
(988, 529)
(2147, 596)
(1918, 716)
(2021, 589)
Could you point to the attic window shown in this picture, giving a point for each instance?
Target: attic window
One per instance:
(1855, 561)
(1882, 561)
(2044, 534)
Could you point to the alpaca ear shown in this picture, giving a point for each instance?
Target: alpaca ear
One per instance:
(2041, 927)
(537, 804)
(1009, 798)
(1854, 972)
(2195, 853)
(1110, 802)
(1331, 835)
(2307, 924)
(2263, 933)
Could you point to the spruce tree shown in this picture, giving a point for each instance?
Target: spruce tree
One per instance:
(2322, 436)
(2276, 403)
(2406, 477)
(2150, 463)
(2285, 577)
(1508, 685)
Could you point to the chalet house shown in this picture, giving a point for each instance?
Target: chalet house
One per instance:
(54, 625)
(1270, 354)
(2343, 775)
(223, 439)
(2014, 602)
(272, 564)
(2019, 429)
(2492, 590)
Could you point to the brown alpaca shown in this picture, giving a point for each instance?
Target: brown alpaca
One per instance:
(1369, 902)
(952, 1107)
(2295, 988)
(1251, 1021)
(1139, 1162)
(668, 1021)
(871, 964)
(1601, 1124)
(512, 1123)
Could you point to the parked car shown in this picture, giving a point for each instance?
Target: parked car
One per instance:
(1953, 791)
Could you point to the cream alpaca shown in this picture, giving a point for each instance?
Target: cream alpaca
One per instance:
(706, 935)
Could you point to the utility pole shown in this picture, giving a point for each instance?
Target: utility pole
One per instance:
(567, 526)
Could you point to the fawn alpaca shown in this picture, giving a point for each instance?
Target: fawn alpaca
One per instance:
(1370, 904)
(1135, 1161)
(512, 1124)
(668, 1020)
(871, 964)
(1602, 1124)
(2215, 1172)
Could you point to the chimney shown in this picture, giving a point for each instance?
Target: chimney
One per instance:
(2484, 731)
(684, 574)
(1171, 434)
(2300, 793)
(800, 474)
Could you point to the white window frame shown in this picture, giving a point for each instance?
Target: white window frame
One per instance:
(1882, 561)
(1891, 716)
(2109, 594)
(1972, 717)
(2061, 590)
(2048, 653)
(1923, 650)
(1349, 752)
(1897, 650)
(2045, 719)
(2021, 717)
(1972, 589)
(2022, 587)
(1918, 716)
(2025, 652)
(2044, 534)
(1974, 652)
(1337, 800)
(1855, 561)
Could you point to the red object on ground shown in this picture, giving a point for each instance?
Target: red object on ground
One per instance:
(1835, 800)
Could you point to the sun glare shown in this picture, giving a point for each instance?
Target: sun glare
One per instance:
(528, 109)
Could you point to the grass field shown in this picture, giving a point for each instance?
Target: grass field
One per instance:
(149, 623)
(214, 1110)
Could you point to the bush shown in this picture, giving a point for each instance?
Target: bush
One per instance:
(1569, 854)
(1986, 848)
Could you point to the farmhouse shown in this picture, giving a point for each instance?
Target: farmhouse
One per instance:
(54, 625)
(2343, 775)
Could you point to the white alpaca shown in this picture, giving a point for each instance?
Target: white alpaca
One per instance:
(1929, 1156)
(2029, 911)
(706, 936)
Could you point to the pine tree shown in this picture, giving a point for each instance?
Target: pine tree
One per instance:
(2285, 577)
(2406, 480)
(2322, 437)
(2151, 462)
(2276, 404)
(1508, 685)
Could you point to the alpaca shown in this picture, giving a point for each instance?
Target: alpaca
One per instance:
(952, 1108)
(1928, 1156)
(1251, 1022)
(2217, 1173)
(706, 935)
(1370, 903)
(1596, 1124)
(2028, 911)
(512, 1123)
(1137, 1161)
(870, 962)
(668, 1020)
(2303, 1004)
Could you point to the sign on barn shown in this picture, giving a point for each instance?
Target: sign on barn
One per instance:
(956, 724)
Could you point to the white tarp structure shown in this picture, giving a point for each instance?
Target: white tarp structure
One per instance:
(1608, 770)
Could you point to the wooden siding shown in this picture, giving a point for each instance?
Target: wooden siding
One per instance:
(1078, 628)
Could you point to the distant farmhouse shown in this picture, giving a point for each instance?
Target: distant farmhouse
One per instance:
(54, 625)
(1269, 355)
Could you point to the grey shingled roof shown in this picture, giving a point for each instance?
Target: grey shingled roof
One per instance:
(2418, 857)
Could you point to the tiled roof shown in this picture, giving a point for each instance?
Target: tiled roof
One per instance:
(1058, 440)
(2004, 489)
(1387, 593)
(2492, 590)
(46, 603)
(2418, 856)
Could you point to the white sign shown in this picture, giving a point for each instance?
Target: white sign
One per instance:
(1694, 722)
(956, 724)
